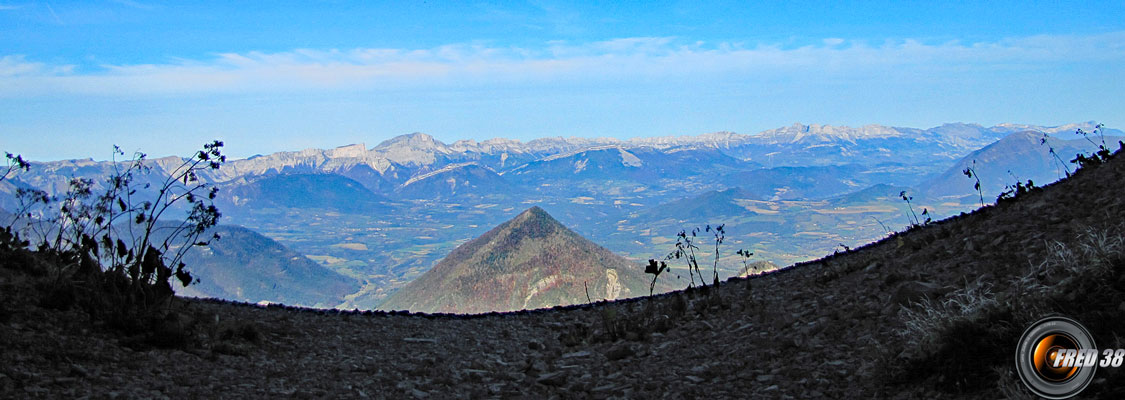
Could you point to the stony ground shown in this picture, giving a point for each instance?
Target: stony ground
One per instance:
(826, 329)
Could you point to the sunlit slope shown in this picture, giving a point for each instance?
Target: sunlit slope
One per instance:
(531, 261)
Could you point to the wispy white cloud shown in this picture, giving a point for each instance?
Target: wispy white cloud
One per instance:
(53, 13)
(647, 59)
(17, 66)
(134, 4)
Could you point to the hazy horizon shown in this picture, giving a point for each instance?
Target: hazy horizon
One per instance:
(369, 144)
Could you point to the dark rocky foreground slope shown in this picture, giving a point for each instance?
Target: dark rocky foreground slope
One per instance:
(839, 327)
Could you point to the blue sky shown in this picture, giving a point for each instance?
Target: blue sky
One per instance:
(164, 77)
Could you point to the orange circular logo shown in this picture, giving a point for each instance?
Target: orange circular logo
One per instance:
(1047, 355)
(1056, 358)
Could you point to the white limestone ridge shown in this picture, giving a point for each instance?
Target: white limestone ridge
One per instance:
(357, 150)
(1067, 129)
(494, 145)
(722, 139)
(440, 171)
(308, 160)
(822, 133)
(577, 152)
(414, 149)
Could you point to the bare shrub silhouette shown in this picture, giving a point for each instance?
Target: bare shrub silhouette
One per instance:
(685, 249)
(15, 163)
(1014, 190)
(720, 235)
(912, 218)
(686, 245)
(1058, 161)
(1101, 155)
(745, 254)
(113, 252)
(655, 270)
(971, 172)
(9, 238)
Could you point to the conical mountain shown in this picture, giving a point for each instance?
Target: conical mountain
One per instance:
(531, 261)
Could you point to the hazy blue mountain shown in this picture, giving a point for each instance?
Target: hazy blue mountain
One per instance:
(54, 177)
(715, 204)
(692, 163)
(791, 183)
(871, 194)
(644, 165)
(807, 145)
(302, 191)
(368, 177)
(6, 217)
(8, 199)
(1018, 155)
(598, 163)
(454, 182)
(819, 145)
(246, 266)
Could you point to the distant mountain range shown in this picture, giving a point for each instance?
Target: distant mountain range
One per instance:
(383, 216)
(398, 160)
(531, 261)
